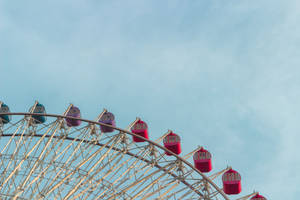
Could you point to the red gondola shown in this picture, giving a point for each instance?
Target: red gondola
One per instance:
(202, 160)
(232, 182)
(172, 143)
(140, 128)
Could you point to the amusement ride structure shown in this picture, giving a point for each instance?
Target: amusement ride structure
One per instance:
(49, 156)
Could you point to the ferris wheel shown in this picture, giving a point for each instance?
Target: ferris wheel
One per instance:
(50, 156)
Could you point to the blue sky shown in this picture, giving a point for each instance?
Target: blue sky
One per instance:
(222, 74)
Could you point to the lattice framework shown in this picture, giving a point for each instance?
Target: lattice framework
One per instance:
(53, 161)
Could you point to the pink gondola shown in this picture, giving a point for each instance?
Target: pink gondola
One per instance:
(231, 182)
(172, 143)
(140, 128)
(202, 160)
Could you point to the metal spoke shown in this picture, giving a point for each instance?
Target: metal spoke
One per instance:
(54, 161)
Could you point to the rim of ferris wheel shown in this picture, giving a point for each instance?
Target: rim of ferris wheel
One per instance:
(221, 192)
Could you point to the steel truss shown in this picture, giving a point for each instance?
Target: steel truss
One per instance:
(53, 161)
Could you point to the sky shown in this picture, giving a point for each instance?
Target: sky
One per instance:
(222, 74)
